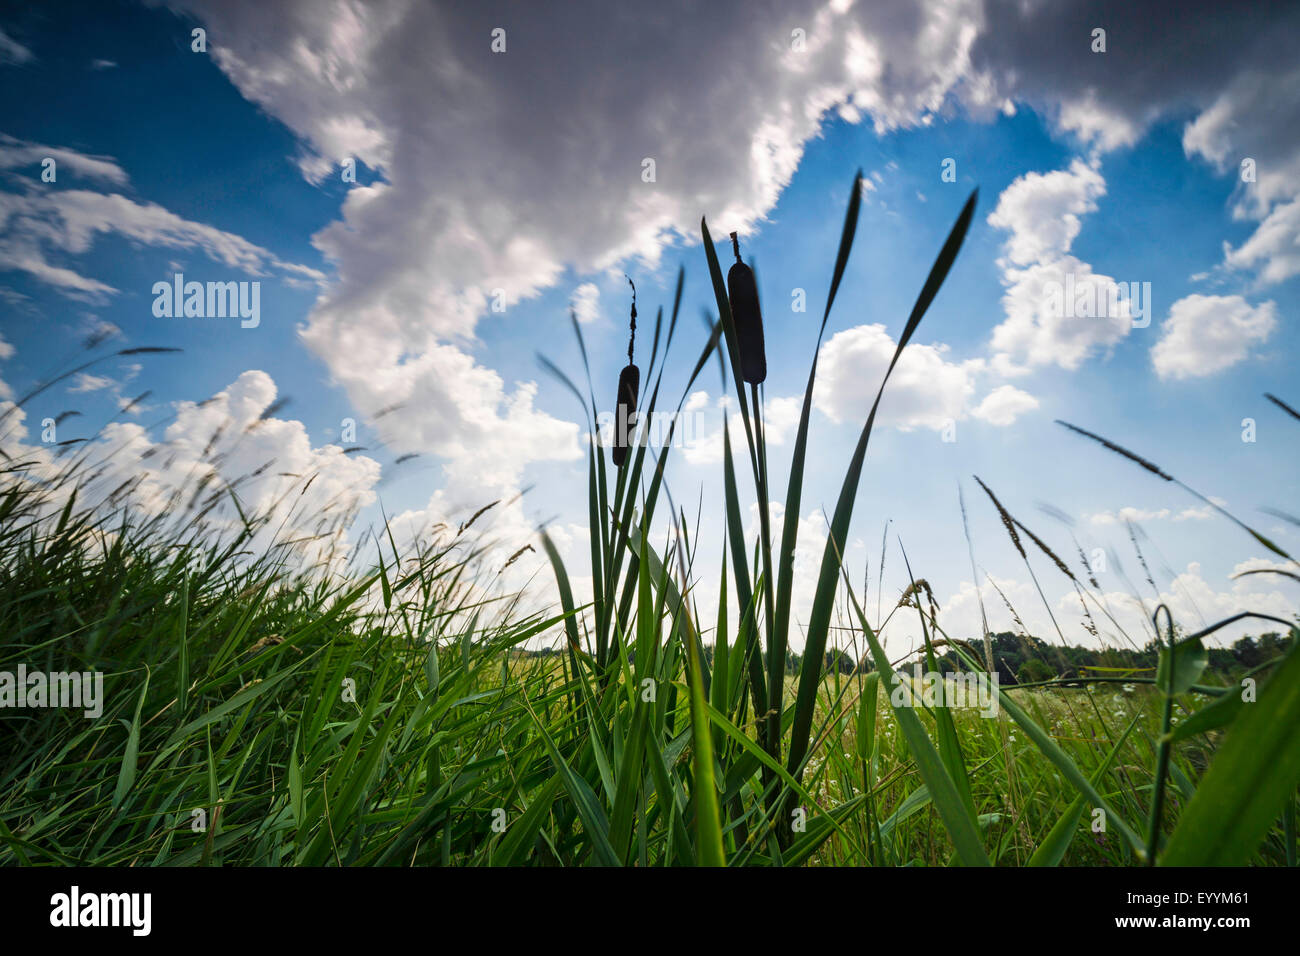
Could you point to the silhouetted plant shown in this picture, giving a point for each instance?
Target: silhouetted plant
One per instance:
(629, 383)
(742, 293)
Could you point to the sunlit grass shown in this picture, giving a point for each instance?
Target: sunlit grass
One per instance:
(260, 712)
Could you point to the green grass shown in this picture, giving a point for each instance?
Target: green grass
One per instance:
(229, 672)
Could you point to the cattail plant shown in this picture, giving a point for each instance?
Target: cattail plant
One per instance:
(743, 295)
(629, 382)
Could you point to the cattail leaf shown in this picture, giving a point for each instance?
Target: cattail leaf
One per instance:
(824, 598)
(780, 634)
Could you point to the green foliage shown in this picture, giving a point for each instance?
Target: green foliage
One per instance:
(630, 740)
(1032, 671)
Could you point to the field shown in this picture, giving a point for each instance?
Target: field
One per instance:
(258, 712)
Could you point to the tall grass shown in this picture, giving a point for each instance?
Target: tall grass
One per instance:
(261, 713)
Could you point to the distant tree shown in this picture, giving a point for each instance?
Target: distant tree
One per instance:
(1221, 659)
(1247, 652)
(1032, 671)
(1271, 645)
(840, 660)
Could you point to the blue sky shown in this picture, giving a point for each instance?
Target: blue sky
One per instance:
(479, 171)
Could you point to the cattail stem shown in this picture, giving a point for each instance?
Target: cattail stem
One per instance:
(735, 246)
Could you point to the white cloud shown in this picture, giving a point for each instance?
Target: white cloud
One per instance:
(703, 438)
(1058, 310)
(13, 52)
(1234, 75)
(1253, 121)
(725, 109)
(1130, 513)
(1194, 601)
(926, 390)
(959, 615)
(1042, 210)
(586, 302)
(781, 419)
(16, 153)
(36, 223)
(85, 382)
(1097, 125)
(1274, 248)
(1004, 405)
(308, 495)
(419, 252)
(1204, 334)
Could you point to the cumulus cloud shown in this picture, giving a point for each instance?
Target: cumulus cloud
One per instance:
(1194, 600)
(586, 302)
(1204, 334)
(718, 98)
(1197, 602)
(724, 101)
(1250, 130)
(1233, 75)
(1058, 311)
(926, 390)
(1274, 248)
(700, 427)
(230, 444)
(1042, 210)
(1004, 405)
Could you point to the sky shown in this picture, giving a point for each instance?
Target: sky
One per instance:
(424, 192)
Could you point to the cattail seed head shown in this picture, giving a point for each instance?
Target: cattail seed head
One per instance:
(629, 383)
(742, 293)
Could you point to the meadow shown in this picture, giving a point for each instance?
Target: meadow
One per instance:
(265, 712)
